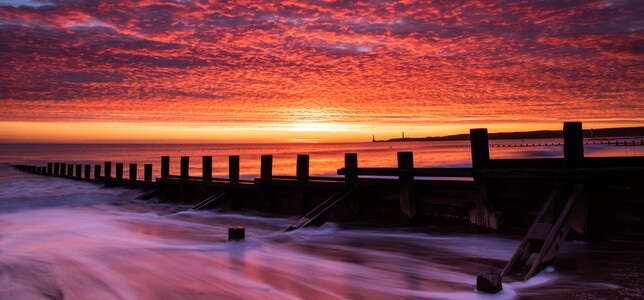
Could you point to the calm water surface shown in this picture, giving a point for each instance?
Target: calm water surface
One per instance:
(61, 239)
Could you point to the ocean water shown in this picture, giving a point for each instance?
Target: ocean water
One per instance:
(62, 239)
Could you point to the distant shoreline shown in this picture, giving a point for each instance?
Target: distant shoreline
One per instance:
(540, 134)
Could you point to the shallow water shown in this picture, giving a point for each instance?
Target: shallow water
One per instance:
(62, 239)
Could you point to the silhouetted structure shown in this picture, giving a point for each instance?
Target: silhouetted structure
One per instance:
(597, 197)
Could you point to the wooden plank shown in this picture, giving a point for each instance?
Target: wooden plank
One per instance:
(212, 200)
(321, 209)
(557, 234)
(148, 194)
(545, 238)
(425, 172)
(298, 183)
(525, 247)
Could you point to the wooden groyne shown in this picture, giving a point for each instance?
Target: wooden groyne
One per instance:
(545, 199)
(504, 195)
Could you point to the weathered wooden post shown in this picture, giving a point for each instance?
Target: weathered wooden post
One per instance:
(97, 171)
(147, 172)
(489, 282)
(88, 171)
(132, 171)
(480, 160)
(265, 172)
(50, 168)
(406, 183)
(108, 169)
(302, 167)
(301, 173)
(266, 167)
(56, 168)
(351, 167)
(233, 168)
(79, 169)
(236, 233)
(165, 166)
(119, 170)
(574, 158)
(479, 145)
(185, 167)
(63, 169)
(70, 170)
(206, 167)
(573, 144)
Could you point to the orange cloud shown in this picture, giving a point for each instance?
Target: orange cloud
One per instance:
(356, 67)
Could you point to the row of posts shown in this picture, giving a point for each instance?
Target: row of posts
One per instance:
(573, 157)
(266, 171)
(266, 167)
(84, 171)
(573, 146)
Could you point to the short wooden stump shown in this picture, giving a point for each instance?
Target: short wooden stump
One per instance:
(489, 282)
(236, 233)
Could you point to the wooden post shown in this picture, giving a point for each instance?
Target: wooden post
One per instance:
(88, 171)
(165, 166)
(233, 168)
(573, 144)
(406, 183)
(108, 169)
(70, 170)
(479, 147)
(266, 168)
(302, 167)
(119, 170)
(489, 282)
(206, 167)
(480, 160)
(147, 172)
(265, 172)
(236, 233)
(132, 171)
(79, 169)
(185, 167)
(351, 167)
(97, 171)
(63, 169)
(50, 168)
(56, 168)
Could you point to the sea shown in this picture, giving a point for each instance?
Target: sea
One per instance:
(66, 239)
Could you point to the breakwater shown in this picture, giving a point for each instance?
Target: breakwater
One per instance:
(492, 195)
(544, 199)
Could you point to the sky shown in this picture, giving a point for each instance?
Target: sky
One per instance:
(264, 71)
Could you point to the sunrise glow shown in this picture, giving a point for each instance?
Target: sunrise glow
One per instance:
(314, 70)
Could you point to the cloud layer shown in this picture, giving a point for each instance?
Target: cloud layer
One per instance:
(373, 63)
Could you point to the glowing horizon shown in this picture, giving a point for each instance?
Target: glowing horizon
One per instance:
(314, 71)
